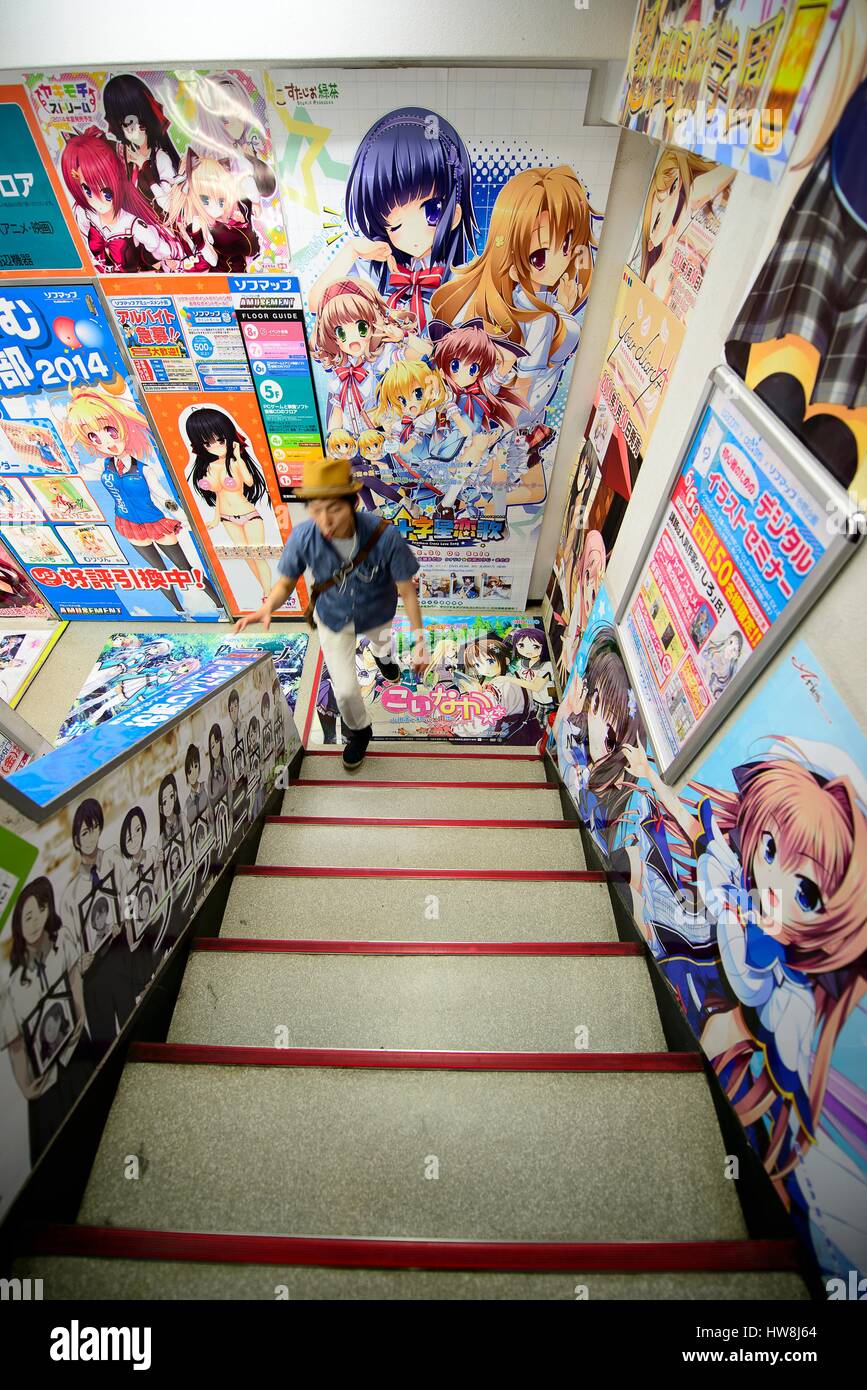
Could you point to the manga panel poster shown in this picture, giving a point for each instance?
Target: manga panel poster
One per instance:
(726, 79)
(22, 655)
(38, 236)
(99, 892)
(206, 351)
(489, 680)
(740, 536)
(133, 666)
(165, 171)
(749, 883)
(683, 209)
(444, 226)
(87, 507)
(799, 340)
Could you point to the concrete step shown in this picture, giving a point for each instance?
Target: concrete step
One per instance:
(485, 1003)
(418, 909)
(82, 1278)
(420, 847)
(353, 798)
(399, 766)
(337, 1151)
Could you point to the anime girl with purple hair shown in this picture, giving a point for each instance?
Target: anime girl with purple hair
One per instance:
(409, 205)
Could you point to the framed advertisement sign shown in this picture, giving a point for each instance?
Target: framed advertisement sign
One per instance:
(750, 532)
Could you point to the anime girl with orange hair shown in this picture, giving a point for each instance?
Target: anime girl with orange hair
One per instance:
(116, 436)
(529, 285)
(682, 186)
(781, 867)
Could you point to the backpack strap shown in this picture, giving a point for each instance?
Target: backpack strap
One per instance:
(345, 569)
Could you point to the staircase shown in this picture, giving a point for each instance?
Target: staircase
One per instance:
(417, 1062)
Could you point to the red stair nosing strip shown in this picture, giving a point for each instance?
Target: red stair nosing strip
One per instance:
(496, 875)
(372, 784)
(640, 1256)
(407, 752)
(308, 722)
(431, 822)
(414, 1059)
(300, 946)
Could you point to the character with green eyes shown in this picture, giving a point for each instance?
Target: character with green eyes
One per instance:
(356, 339)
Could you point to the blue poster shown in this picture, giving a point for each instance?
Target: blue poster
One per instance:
(86, 503)
(33, 230)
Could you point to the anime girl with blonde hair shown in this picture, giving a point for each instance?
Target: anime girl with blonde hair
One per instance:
(407, 400)
(586, 580)
(681, 187)
(206, 210)
(110, 429)
(355, 339)
(781, 866)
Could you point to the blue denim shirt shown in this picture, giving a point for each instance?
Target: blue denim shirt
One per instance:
(367, 598)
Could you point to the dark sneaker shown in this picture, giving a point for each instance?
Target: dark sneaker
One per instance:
(356, 747)
(389, 669)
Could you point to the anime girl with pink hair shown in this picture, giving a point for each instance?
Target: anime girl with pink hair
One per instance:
(781, 878)
(121, 227)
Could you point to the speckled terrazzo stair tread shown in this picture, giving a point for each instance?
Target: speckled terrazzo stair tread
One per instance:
(499, 1003)
(418, 909)
(409, 768)
(343, 1152)
(421, 847)
(465, 803)
(81, 1278)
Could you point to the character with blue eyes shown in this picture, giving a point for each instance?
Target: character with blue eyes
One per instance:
(781, 869)
(409, 205)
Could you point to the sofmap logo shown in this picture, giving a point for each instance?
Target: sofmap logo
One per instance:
(76, 1343)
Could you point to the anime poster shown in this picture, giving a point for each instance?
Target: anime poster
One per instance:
(22, 654)
(37, 235)
(18, 597)
(489, 680)
(86, 505)
(740, 536)
(579, 567)
(99, 892)
(444, 227)
(726, 79)
(198, 346)
(800, 339)
(165, 171)
(683, 210)
(750, 885)
(133, 666)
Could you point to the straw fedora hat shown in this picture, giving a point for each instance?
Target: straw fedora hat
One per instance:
(327, 478)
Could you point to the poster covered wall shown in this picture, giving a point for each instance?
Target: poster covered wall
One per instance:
(750, 886)
(489, 680)
(198, 345)
(444, 225)
(165, 171)
(86, 505)
(98, 894)
(683, 210)
(730, 81)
